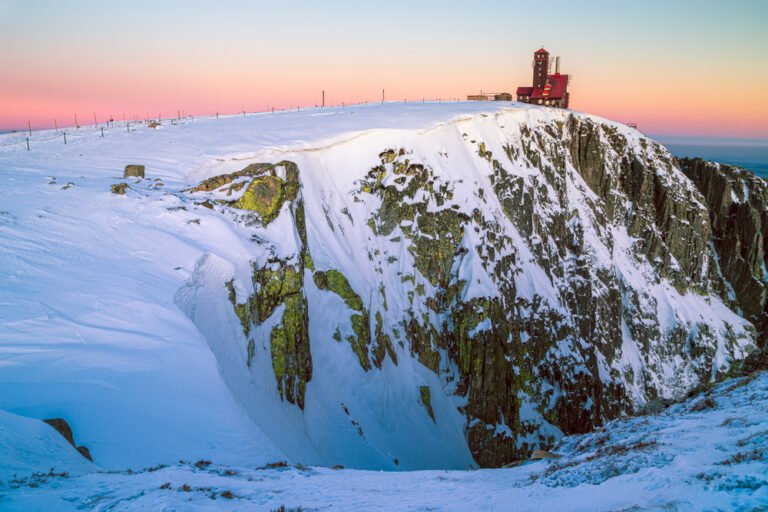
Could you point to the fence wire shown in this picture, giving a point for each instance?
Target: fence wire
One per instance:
(103, 131)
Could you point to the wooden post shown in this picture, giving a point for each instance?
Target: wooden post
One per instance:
(29, 126)
(65, 138)
(323, 104)
(102, 132)
(95, 123)
(27, 143)
(217, 115)
(128, 127)
(77, 125)
(382, 96)
(56, 126)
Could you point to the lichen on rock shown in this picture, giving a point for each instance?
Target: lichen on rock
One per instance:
(265, 195)
(425, 396)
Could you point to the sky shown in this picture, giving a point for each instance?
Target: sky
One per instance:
(674, 67)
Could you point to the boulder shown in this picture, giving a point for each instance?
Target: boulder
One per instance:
(120, 188)
(133, 170)
(62, 427)
(85, 452)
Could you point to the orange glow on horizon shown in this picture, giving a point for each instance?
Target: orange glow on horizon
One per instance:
(692, 71)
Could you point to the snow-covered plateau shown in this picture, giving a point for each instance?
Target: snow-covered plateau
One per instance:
(433, 287)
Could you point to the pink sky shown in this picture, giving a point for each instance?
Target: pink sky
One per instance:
(699, 69)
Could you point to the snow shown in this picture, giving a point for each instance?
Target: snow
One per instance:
(28, 446)
(114, 313)
(708, 453)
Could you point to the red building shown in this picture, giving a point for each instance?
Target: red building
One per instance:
(548, 90)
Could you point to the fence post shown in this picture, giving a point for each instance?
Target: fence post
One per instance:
(29, 125)
(65, 138)
(27, 143)
(128, 127)
(102, 131)
(55, 125)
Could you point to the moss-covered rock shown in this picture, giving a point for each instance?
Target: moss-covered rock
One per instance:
(426, 400)
(265, 195)
(335, 281)
(133, 171)
(278, 282)
(241, 310)
(225, 179)
(384, 345)
(120, 188)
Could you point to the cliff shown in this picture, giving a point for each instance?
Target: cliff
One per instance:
(738, 210)
(474, 291)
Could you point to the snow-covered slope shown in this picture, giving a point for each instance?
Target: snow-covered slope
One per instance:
(708, 453)
(29, 446)
(398, 287)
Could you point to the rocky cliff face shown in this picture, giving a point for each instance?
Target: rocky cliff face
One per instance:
(481, 288)
(738, 210)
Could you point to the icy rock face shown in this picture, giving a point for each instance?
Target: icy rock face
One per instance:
(738, 210)
(551, 271)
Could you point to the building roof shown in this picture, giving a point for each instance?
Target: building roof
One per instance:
(554, 90)
(524, 91)
(541, 50)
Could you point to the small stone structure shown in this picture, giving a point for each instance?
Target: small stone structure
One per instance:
(133, 170)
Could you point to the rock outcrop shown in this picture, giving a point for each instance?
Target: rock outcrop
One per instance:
(62, 427)
(738, 210)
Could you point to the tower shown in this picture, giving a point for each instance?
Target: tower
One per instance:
(540, 68)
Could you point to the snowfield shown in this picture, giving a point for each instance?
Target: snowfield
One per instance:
(708, 453)
(119, 313)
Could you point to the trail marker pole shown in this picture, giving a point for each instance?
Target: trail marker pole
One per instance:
(29, 126)
(382, 96)
(323, 104)
(27, 143)
(102, 132)
(65, 138)
(55, 125)
(77, 125)
(128, 127)
(95, 123)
